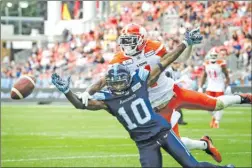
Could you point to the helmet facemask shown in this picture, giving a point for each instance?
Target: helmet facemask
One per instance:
(118, 84)
(130, 43)
(213, 57)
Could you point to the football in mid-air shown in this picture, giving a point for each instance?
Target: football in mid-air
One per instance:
(23, 87)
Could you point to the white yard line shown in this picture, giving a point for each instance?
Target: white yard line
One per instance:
(231, 153)
(76, 146)
(89, 135)
(69, 157)
(230, 135)
(233, 140)
(116, 145)
(69, 136)
(95, 156)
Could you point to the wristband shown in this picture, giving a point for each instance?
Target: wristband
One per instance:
(66, 91)
(161, 67)
(186, 43)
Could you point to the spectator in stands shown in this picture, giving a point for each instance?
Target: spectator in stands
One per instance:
(90, 52)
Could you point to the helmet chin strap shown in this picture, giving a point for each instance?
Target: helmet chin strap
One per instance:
(138, 53)
(125, 51)
(132, 55)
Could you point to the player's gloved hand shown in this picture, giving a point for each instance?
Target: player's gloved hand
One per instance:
(228, 90)
(84, 97)
(61, 84)
(193, 37)
(200, 90)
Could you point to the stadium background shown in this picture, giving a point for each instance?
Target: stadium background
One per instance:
(79, 39)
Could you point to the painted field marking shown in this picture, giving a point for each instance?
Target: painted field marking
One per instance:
(95, 156)
(70, 157)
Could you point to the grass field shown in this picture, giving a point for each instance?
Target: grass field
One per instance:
(50, 136)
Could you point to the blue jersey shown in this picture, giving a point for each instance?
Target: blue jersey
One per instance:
(133, 109)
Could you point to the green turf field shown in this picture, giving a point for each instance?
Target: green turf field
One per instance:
(50, 136)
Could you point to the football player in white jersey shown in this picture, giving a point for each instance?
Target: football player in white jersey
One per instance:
(216, 73)
(165, 95)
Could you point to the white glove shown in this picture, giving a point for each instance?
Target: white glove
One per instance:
(228, 90)
(84, 97)
(200, 90)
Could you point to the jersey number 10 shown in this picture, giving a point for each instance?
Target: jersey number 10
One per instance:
(140, 120)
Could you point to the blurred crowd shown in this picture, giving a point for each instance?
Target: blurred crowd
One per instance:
(226, 25)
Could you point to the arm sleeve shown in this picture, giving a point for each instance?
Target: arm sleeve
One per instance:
(161, 51)
(103, 97)
(118, 58)
(143, 74)
(156, 46)
(99, 96)
(114, 61)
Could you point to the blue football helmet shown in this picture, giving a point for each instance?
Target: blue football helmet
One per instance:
(118, 79)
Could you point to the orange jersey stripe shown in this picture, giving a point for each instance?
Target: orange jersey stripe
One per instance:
(119, 58)
(155, 46)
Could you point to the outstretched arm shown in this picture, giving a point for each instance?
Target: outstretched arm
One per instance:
(63, 86)
(92, 104)
(96, 86)
(85, 96)
(185, 55)
(191, 38)
(166, 60)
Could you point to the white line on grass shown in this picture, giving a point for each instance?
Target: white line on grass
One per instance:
(235, 153)
(94, 156)
(69, 136)
(116, 145)
(91, 136)
(228, 111)
(232, 140)
(76, 146)
(196, 135)
(59, 135)
(230, 153)
(70, 157)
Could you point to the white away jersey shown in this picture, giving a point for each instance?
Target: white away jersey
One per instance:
(215, 76)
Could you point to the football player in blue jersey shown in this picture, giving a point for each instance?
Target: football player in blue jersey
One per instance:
(126, 98)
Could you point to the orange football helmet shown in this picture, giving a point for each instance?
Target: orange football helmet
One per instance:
(132, 39)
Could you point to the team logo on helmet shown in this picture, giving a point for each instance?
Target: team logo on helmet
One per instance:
(118, 79)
